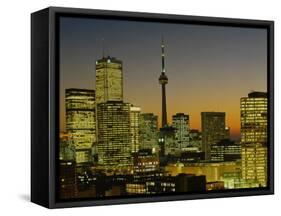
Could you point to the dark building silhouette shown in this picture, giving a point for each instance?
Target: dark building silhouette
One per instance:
(167, 140)
(190, 183)
(213, 130)
(67, 179)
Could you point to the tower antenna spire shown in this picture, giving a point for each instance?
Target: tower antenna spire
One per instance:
(163, 54)
(163, 81)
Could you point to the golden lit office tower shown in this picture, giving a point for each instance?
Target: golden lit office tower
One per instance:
(114, 138)
(149, 131)
(80, 122)
(181, 124)
(109, 80)
(213, 130)
(135, 127)
(254, 137)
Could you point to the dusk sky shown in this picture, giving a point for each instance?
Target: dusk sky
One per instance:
(209, 67)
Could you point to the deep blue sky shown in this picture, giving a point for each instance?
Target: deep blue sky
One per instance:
(209, 67)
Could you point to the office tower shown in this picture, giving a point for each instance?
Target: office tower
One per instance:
(213, 130)
(135, 128)
(114, 138)
(225, 150)
(181, 124)
(80, 122)
(148, 131)
(163, 80)
(254, 137)
(109, 80)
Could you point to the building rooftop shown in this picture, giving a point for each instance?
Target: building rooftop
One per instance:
(257, 94)
(108, 59)
(79, 90)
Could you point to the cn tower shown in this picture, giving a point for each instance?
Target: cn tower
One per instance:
(163, 80)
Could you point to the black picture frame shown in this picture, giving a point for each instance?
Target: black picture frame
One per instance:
(44, 103)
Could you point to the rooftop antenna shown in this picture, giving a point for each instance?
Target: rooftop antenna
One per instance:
(163, 53)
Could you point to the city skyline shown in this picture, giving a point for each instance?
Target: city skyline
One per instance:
(249, 52)
(115, 144)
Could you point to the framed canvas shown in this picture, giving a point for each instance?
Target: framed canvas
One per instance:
(139, 107)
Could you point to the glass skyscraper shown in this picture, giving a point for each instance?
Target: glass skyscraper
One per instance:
(114, 137)
(135, 128)
(148, 131)
(114, 134)
(213, 130)
(80, 122)
(109, 80)
(254, 137)
(181, 124)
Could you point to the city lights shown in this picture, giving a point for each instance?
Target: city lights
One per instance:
(112, 148)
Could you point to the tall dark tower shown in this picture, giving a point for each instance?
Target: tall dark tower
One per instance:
(163, 80)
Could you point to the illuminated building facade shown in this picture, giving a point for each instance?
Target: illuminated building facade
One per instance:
(214, 171)
(254, 137)
(136, 188)
(213, 130)
(117, 122)
(168, 184)
(109, 80)
(181, 124)
(114, 137)
(254, 118)
(225, 150)
(145, 162)
(217, 185)
(135, 128)
(80, 122)
(148, 131)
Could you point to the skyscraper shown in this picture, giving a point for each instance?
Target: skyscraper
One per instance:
(163, 80)
(114, 132)
(80, 122)
(135, 128)
(254, 137)
(213, 130)
(181, 124)
(109, 80)
(114, 138)
(148, 131)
